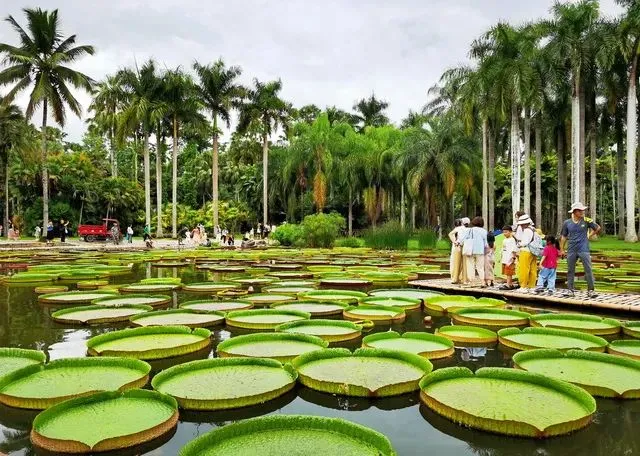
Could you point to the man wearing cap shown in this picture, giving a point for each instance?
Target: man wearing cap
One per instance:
(574, 243)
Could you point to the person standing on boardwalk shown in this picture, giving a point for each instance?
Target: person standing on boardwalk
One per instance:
(474, 245)
(50, 232)
(548, 266)
(574, 244)
(527, 261)
(63, 230)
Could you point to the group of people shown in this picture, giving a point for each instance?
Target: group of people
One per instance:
(524, 253)
(62, 230)
(196, 236)
(12, 232)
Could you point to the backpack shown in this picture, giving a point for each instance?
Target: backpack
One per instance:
(536, 246)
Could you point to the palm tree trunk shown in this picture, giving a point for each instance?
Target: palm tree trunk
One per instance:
(159, 153)
(45, 170)
(538, 184)
(174, 180)
(485, 169)
(491, 203)
(265, 177)
(147, 180)
(112, 154)
(583, 161)
(593, 184)
(527, 162)
(620, 168)
(413, 215)
(562, 179)
(6, 195)
(613, 198)
(214, 171)
(515, 160)
(632, 125)
(402, 215)
(575, 139)
(350, 215)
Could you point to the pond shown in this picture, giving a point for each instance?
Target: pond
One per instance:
(411, 427)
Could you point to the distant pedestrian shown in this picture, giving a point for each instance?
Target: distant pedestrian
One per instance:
(115, 233)
(129, 234)
(63, 229)
(548, 266)
(489, 260)
(509, 256)
(574, 243)
(37, 232)
(146, 233)
(50, 232)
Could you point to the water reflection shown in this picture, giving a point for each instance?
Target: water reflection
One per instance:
(357, 404)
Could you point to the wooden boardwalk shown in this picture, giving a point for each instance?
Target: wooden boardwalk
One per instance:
(610, 302)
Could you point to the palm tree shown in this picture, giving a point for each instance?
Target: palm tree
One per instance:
(143, 109)
(264, 111)
(108, 99)
(40, 60)
(370, 112)
(12, 125)
(220, 93)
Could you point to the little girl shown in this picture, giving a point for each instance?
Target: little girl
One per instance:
(489, 260)
(548, 266)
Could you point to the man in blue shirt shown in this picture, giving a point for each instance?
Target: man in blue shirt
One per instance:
(574, 243)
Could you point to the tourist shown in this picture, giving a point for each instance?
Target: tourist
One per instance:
(509, 256)
(455, 260)
(548, 266)
(115, 233)
(63, 230)
(146, 233)
(574, 243)
(527, 261)
(50, 232)
(474, 243)
(489, 260)
(182, 234)
(129, 234)
(36, 233)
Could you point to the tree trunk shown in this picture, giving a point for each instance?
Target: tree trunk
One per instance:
(214, 171)
(515, 160)
(45, 170)
(491, 203)
(485, 169)
(575, 140)
(6, 195)
(413, 215)
(81, 211)
(527, 162)
(632, 125)
(350, 216)
(402, 217)
(174, 180)
(112, 153)
(562, 180)
(620, 166)
(582, 150)
(265, 177)
(147, 180)
(593, 183)
(159, 161)
(613, 198)
(538, 184)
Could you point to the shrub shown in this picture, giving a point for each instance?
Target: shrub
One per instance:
(351, 242)
(391, 235)
(322, 230)
(288, 234)
(427, 239)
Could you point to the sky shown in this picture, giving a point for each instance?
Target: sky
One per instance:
(333, 52)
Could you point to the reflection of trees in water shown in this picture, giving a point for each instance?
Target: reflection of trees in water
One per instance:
(15, 440)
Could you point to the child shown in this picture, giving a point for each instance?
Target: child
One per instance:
(548, 266)
(509, 255)
(489, 260)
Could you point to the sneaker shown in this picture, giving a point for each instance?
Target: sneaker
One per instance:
(592, 294)
(569, 293)
(538, 290)
(550, 292)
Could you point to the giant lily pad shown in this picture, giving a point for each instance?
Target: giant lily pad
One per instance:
(376, 314)
(489, 317)
(329, 330)
(255, 281)
(105, 421)
(208, 287)
(386, 278)
(97, 314)
(345, 283)
(91, 284)
(48, 289)
(185, 317)
(42, 385)
(632, 328)
(366, 372)
(224, 383)
(12, 359)
(264, 319)
(600, 374)
(411, 293)
(149, 287)
(74, 297)
(154, 342)
(133, 299)
(591, 324)
(627, 348)
(507, 401)
(266, 299)
(468, 335)
(288, 290)
(216, 306)
(427, 345)
(290, 435)
(315, 308)
(532, 338)
(31, 277)
(448, 303)
(347, 296)
(403, 303)
(280, 346)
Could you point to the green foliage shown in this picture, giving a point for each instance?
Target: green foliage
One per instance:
(322, 230)
(351, 242)
(391, 235)
(289, 234)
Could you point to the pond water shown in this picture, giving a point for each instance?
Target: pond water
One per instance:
(411, 427)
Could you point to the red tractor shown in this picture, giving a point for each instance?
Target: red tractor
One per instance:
(102, 232)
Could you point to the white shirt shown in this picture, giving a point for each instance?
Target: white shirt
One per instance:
(525, 237)
(508, 248)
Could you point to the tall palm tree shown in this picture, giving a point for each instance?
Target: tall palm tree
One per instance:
(41, 60)
(143, 109)
(12, 125)
(108, 99)
(370, 112)
(264, 111)
(220, 93)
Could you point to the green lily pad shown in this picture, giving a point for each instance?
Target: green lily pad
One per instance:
(48, 289)
(448, 303)
(600, 374)
(266, 299)
(632, 328)
(627, 348)
(185, 317)
(31, 277)
(376, 314)
(281, 346)
(464, 335)
(532, 338)
(294, 284)
(13, 359)
(91, 284)
(411, 293)
(264, 319)
(133, 300)
(216, 306)
(403, 303)
(288, 290)
(97, 314)
(42, 385)
(366, 372)
(315, 308)
(208, 287)
(347, 296)
(341, 282)
(507, 401)
(591, 324)
(149, 287)
(329, 330)
(74, 297)
(155, 342)
(105, 421)
(289, 435)
(427, 345)
(489, 317)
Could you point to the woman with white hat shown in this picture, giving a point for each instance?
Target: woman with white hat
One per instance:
(527, 261)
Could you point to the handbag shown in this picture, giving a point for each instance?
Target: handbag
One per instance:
(467, 245)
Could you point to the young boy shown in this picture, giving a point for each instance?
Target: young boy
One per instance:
(509, 255)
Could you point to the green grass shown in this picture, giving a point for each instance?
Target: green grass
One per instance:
(608, 243)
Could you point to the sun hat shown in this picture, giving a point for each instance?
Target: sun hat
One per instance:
(465, 220)
(525, 220)
(578, 206)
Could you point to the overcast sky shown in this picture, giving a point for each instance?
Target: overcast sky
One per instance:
(332, 52)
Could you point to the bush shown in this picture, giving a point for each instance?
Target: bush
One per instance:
(288, 234)
(390, 236)
(322, 230)
(351, 242)
(427, 239)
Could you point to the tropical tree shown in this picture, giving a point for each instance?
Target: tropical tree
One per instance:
(107, 103)
(12, 126)
(370, 112)
(219, 92)
(264, 111)
(41, 60)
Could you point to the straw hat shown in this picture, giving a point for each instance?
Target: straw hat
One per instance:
(525, 220)
(578, 207)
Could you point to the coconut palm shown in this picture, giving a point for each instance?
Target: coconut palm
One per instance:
(107, 103)
(41, 60)
(12, 126)
(370, 112)
(220, 93)
(263, 112)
